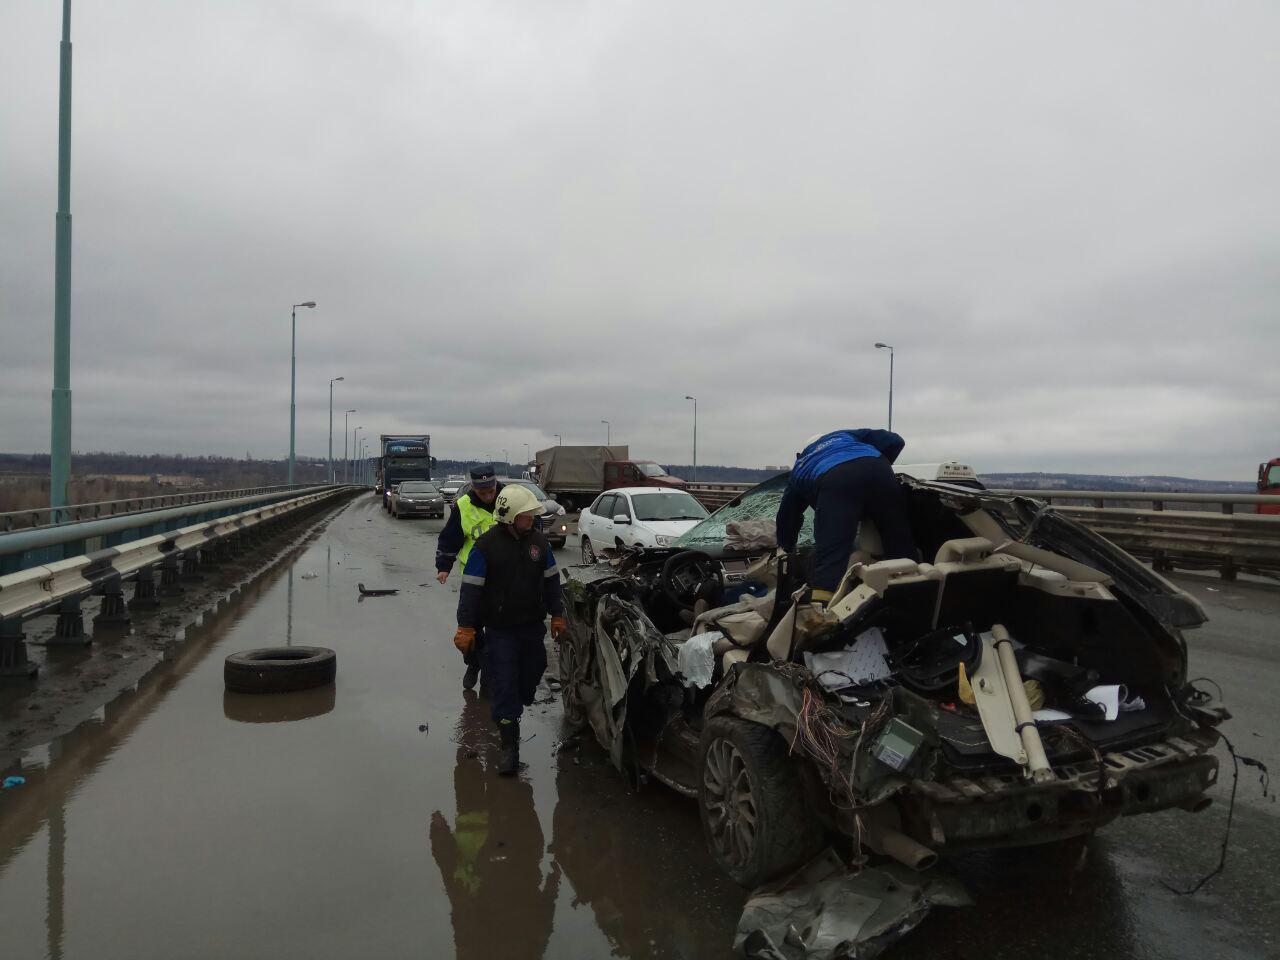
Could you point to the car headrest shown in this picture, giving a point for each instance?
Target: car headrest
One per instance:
(971, 548)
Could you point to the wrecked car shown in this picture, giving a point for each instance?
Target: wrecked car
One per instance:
(1025, 685)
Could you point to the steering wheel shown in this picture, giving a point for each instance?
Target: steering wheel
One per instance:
(690, 575)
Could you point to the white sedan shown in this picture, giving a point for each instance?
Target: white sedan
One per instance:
(636, 516)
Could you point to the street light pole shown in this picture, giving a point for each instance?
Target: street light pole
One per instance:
(332, 476)
(293, 382)
(60, 414)
(885, 346)
(355, 453)
(558, 439)
(346, 462)
(695, 436)
(608, 433)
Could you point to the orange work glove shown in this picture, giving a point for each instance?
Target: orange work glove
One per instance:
(558, 626)
(465, 639)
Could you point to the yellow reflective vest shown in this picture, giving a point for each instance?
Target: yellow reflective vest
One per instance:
(475, 524)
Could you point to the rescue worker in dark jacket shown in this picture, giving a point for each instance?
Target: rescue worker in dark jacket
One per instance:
(469, 519)
(844, 476)
(509, 586)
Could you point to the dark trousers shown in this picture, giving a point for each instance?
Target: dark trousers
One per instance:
(847, 493)
(514, 660)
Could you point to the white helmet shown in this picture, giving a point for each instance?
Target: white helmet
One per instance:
(513, 500)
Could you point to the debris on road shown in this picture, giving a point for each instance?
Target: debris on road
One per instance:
(824, 912)
(365, 592)
(11, 782)
(310, 575)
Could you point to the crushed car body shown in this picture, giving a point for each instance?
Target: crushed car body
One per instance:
(1025, 685)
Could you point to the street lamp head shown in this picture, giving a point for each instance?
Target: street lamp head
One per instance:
(353, 410)
(309, 303)
(883, 346)
(687, 397)
(336, 379)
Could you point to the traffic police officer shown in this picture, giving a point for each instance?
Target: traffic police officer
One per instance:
(845, 475)
(470, 518)
(509, 586)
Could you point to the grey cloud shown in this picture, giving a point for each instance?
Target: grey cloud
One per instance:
(520, 219)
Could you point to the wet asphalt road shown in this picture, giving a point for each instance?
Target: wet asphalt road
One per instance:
(186, 822)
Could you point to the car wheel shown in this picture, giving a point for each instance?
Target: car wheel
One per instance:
(752, 804)
(588, 555)
(575, 714)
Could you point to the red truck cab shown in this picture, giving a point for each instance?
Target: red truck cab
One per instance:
(1269, 484)
(637, 473)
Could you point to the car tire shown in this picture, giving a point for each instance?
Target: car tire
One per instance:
(575, 712)
(588, 554)
(751, 801)
(279, 669)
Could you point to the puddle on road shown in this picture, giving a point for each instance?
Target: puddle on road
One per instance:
(190, 822)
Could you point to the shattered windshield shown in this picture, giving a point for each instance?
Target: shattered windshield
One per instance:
(759, 503)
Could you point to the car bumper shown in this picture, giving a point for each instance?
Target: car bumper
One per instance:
(420, 509)
(1006, 810)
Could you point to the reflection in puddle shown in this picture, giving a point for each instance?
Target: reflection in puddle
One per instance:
(490, 859)
(278, 707)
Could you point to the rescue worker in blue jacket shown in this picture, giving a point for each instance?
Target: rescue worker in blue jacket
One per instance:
(844, 476)
(470, 518)
(509, 586)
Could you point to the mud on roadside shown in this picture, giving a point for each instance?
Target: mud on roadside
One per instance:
(74, 684)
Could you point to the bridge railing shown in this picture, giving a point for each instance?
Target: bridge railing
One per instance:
(51, 516)
(98, 556)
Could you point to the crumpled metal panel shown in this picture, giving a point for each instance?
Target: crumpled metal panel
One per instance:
(826, 912)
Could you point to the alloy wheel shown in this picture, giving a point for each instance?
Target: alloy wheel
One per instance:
(731, 809)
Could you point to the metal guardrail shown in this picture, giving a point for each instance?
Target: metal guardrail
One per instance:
(20, 549)
(1159, 501)
(716, 495)
(32, 591)
(42, 588)
(36, 517)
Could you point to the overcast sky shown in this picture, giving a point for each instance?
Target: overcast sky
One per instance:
(521, 218)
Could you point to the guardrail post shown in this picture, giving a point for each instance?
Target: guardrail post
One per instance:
(191, 567)
(144, 590)
(14, 665)
(1157, 504)
(170, 572)
(114, 612)
(1228, 570)
(69, 630)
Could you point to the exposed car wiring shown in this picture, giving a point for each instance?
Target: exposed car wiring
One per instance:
(1264, 780)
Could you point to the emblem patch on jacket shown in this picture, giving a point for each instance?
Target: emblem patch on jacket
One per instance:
(535, 551)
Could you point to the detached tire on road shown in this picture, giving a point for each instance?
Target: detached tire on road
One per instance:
(279, 669)
(754, 816)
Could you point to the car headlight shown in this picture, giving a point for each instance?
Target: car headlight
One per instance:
(662, 541)
(564, 528)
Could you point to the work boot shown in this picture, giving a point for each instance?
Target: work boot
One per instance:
(509, 754)
(470, 677)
